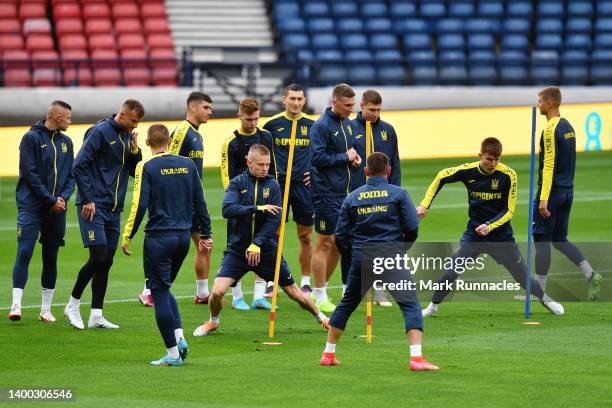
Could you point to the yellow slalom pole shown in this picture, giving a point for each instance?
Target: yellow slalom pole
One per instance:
(369, 146)
(281, 234)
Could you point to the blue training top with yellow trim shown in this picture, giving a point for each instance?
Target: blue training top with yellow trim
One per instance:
(187, 141)
(557, 157)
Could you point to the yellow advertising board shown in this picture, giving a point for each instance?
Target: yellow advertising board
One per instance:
(421, 133)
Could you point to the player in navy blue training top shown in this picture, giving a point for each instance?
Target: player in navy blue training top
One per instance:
(553, 202)
(102, 167)
(168, 187)
(45, 184)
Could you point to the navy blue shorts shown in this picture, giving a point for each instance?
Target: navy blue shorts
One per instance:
(556, 226)
(300, 202)
(235, 267)
(163, 257)
(502, 248)
(51, 227)
(103, 230)
(326, 212)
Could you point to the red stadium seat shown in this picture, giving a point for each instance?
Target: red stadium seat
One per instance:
(134, 58)
(137, 77)
(102, 41)
(163, 58)
(72, 42)
(46, 77)
(156, 25)
(68, 26)
(98, 26)
(96, 10)
(131, 41)
(128, 26)
(13, 59)
(32, 10)
(39, 42)
(17, 78)
(45, 59)
(160, 41)
(75, 59)
(11, 42)
(107, 77)
(125, 10)
(149, 10)
(104, 59)
(80, 77)
(164, 77)
(36, 26)
(8, 10)
(67, 10)
(10, 26)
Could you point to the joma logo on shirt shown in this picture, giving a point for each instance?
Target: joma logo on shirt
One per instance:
(174, 170)
(373, 194)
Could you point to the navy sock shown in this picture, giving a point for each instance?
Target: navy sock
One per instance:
(164, 316)
(25, 249)
(49, 270)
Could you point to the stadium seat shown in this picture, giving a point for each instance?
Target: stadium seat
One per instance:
(361, 74)
(76, 58)
(124, 10)
(452, 68)
(449, 26)
(315, 9)
(295, 41)
(67, 10)
(46, 77)
(519, 9)
(491, 9)
(305, 56)
(39, 42)
(461, 9)
(373, 9)
(482, 25)
(391, 74)
(96, 10)
(328, 55)
(601, 67)
(515, 42)
(11, 42)
(17, 78)
(603, 40)
(378, 25)
(342, 9)
(580, 9)
(482, 69)
(283, 11)
(324, 41)
(98, 26)
(164, 77)
(544, 67)
(68, 26)
(480, 42)
(549, 42)
(77, 77)
(15, 59)
(603, 25)
(36, 26)
(353, 41)
(422, 68)
(358, 55)
(131, 26)
(45, 59)
(411, 26)
(579, 26)
(551, 9)
(156, 25)
(104, 58)
(32, 10)
(320, 25)
(131, 41)
(516, 26)
(387, 55)
(413, 42)
(513, 68)
(432, 9)
(549, 26)
(133, 58)
(8, 10)
(331, 75)
(451, 42)
(153, 10)
(291, 25)
(349, 25)
(160, 41)
(102, 41)
(604, 8)
(578, 42)
(574, 70)
(72, 42)
(162, 58)
(106, 77)
(10, 26)
(137, 77)
(383, 41)
(402, 10)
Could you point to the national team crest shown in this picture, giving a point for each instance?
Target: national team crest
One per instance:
(64, 148)
(266, 192)
(304, 130)
(383, 135)
(494, 184)
(322, 225)
(91, 235)
(19, 231)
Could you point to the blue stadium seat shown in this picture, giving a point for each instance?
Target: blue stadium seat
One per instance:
(482, 68)
(353, 40)
(290, 25)
(423, 69)
(383, 41)
(574, 70)
(544, 67)
(601, 67)
(603, 25)
(387, 55)
(451, 42)
(551, 9)
(480, 42)
(580, 9)
(578, 42)
(423, 57)
(480, 56)
(516, 42)
(358, 55)
(417, 42)
(349, 25)
(549, 26)
(482, 25)
(410, 26)
(549, 42)
(513, 68)
(516, 26)
(579, 26)
(391, 74)
(295, 41)
(519, 9)
(329, 75)
(403, 10)
(320, 25)
(433, 10)
(603, 40)
(452, 57)
(305, 55)
(378, 25)
(324, 41)
(361, 74)
(452, 68)
(461, 9)
(449, 25)
(328, 55)
(604, 8)
(491, 9)
(344, 9)
(373, 9)
(315, 9)
(286, 10)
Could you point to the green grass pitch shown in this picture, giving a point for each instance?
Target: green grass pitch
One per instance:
(487, 357)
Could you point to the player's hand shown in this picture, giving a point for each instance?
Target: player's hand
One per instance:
(270, 208)
(89, 210)
(307, 179)
(205, 245)
(421, 212)
(482, 229)
(125, 250)
(59, 206)
(252, 258)
(134, 142)
(543, 209)
(352, 154)
(357, 161)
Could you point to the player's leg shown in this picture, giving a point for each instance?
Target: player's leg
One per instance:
(177, 258)
(201, 265)
(324, 253)
(542, 236)
(259, 291)
(303, 215)
(51, 238)
(304, 233)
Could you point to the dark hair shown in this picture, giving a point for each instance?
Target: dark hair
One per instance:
(491, 146)
(371, 96)
(342, 91)
(62, 104)
(294, 88)
(248, 106)
(259, 149)
(197, 96)
(552, 93)
(158, 135)
(377, 164)
(134, 106)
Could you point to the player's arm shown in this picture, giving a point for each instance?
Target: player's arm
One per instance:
(29, 169)
(396, 169)
(82, 164)
(135, 155)
(449, 175)
(231, 206)
(140, 203)
(409, 220)
(227, 162)
(548, 167)
(318, 146)
(272, 221)
(509, 196)
(69, 185)
(343, 228)
(178, 137)
(199, 204)
(269, 143)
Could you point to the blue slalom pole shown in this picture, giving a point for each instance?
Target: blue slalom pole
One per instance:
(530, 220)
